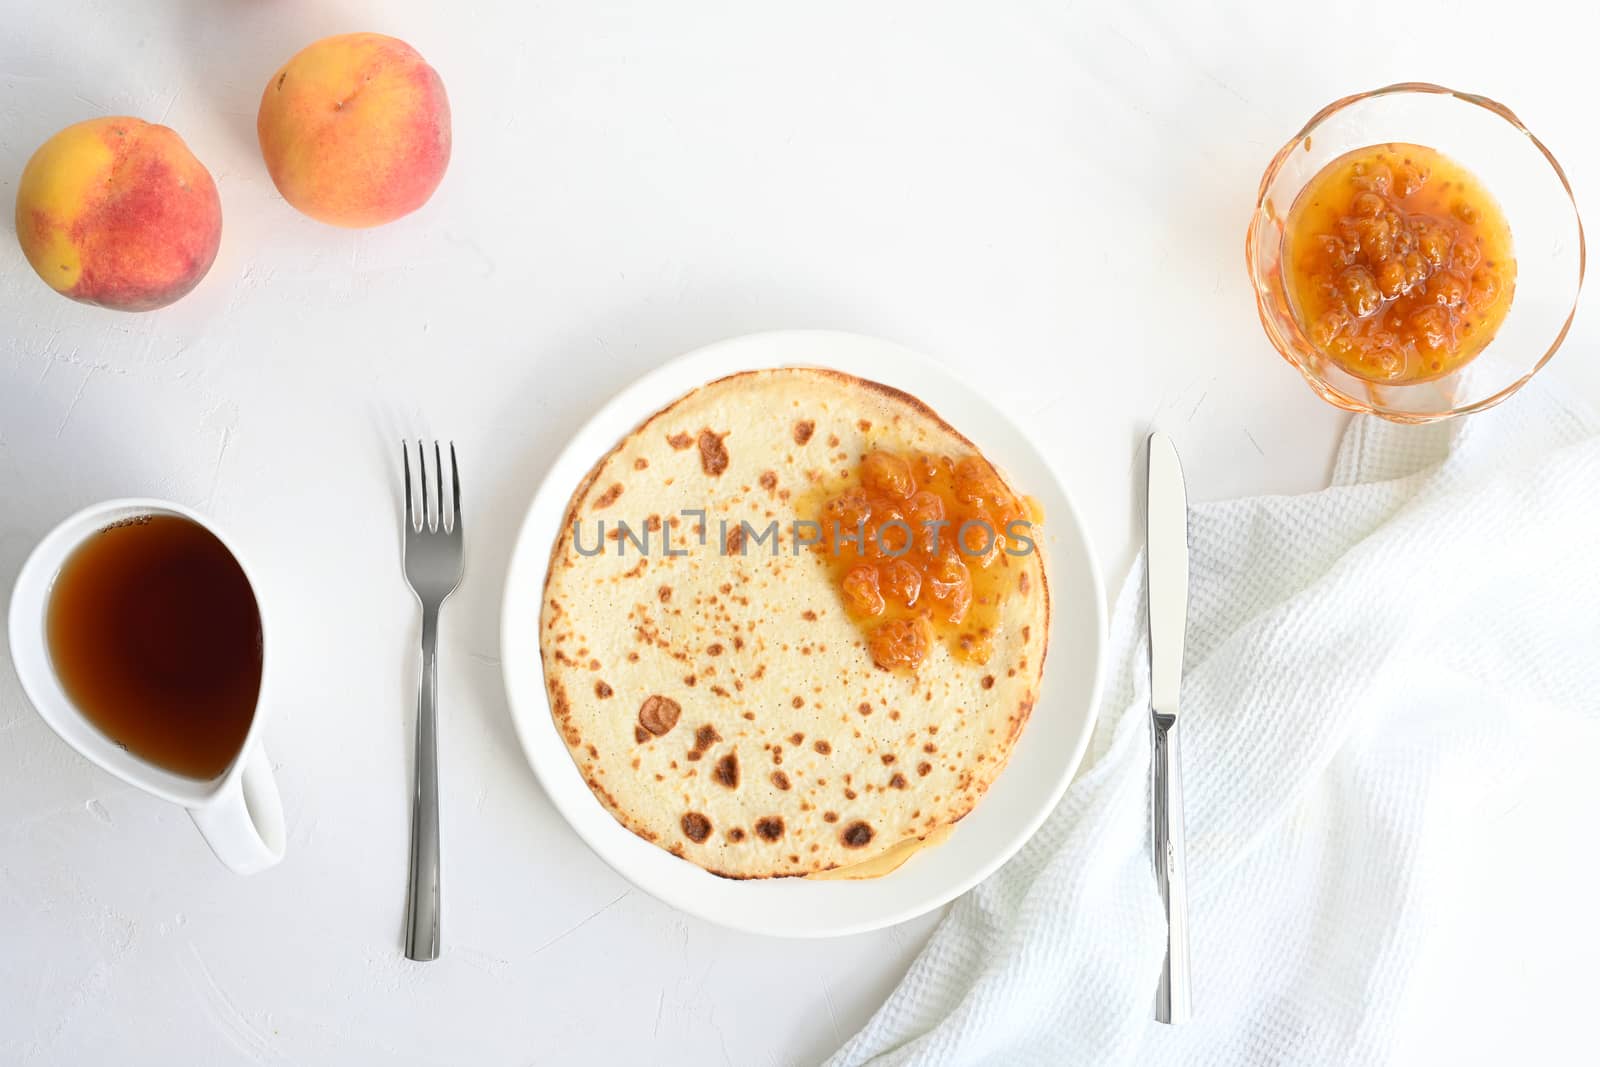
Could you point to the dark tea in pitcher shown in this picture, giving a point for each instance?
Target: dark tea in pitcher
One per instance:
(156, 637)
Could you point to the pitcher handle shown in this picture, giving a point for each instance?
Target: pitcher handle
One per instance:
(243, 823)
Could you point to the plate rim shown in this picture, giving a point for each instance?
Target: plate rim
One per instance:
(624, 412)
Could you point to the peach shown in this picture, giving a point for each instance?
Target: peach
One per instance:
(118, 212)
(355, 130)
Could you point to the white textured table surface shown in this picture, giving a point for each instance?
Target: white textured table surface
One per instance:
(1048, 197)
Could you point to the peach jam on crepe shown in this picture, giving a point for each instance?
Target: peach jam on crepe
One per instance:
(725, 696)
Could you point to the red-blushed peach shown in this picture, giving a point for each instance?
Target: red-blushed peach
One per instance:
(355, 130)
(118, 212)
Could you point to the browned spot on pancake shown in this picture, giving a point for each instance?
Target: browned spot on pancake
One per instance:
(857, 835)
(780, 779)
(706, 736)
(717, 689)
(930, 748)
(798, 702)
(803, 431)
(713, 453)
(863, 425)
(641, 735)
(823, 747)
(830, 816)
(690, 680)
(680, 441)
(633, 657)
(602, 690)
(777, 756)
(652, 523)
(609, 497)
(924, 769)
(727, 770)
(640, 464)
(888, 758)
(658, 714)
(795, 739)
(696, 827)
(735, 540)
(738, 643)
(770, 827)
(865, 708)
(664, 594)
(601, 791)
(769, 480)
(833, 440)
(736, 834)
(809, 615)
(988, 681)
(849, 794)
(1027, 632)
(897, 782)
(713, 649)
(1022, 587)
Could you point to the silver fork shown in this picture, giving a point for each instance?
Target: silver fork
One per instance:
(433, 565)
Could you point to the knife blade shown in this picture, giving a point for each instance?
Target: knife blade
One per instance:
(1167, 608)
(1166, 572)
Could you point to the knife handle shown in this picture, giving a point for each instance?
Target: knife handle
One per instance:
(1166, 807)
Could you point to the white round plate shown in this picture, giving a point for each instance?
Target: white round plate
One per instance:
(1041, 765)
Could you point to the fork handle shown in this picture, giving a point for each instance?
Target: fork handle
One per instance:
(1166, 782)
(422, 909)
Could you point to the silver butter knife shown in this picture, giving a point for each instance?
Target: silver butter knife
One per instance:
(1167, 602)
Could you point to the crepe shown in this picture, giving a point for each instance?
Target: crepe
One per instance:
(716, 696)
(887, 861)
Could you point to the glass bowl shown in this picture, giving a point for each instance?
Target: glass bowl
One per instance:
(1518, 171)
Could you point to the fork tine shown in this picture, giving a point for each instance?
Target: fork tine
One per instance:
(405, 459)
(455, 488)
(438, 480)
(422, 471)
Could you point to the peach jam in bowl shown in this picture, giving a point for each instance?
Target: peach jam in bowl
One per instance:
(1416, 253)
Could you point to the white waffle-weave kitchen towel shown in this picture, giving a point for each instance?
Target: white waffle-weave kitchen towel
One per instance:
(1392, 763)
